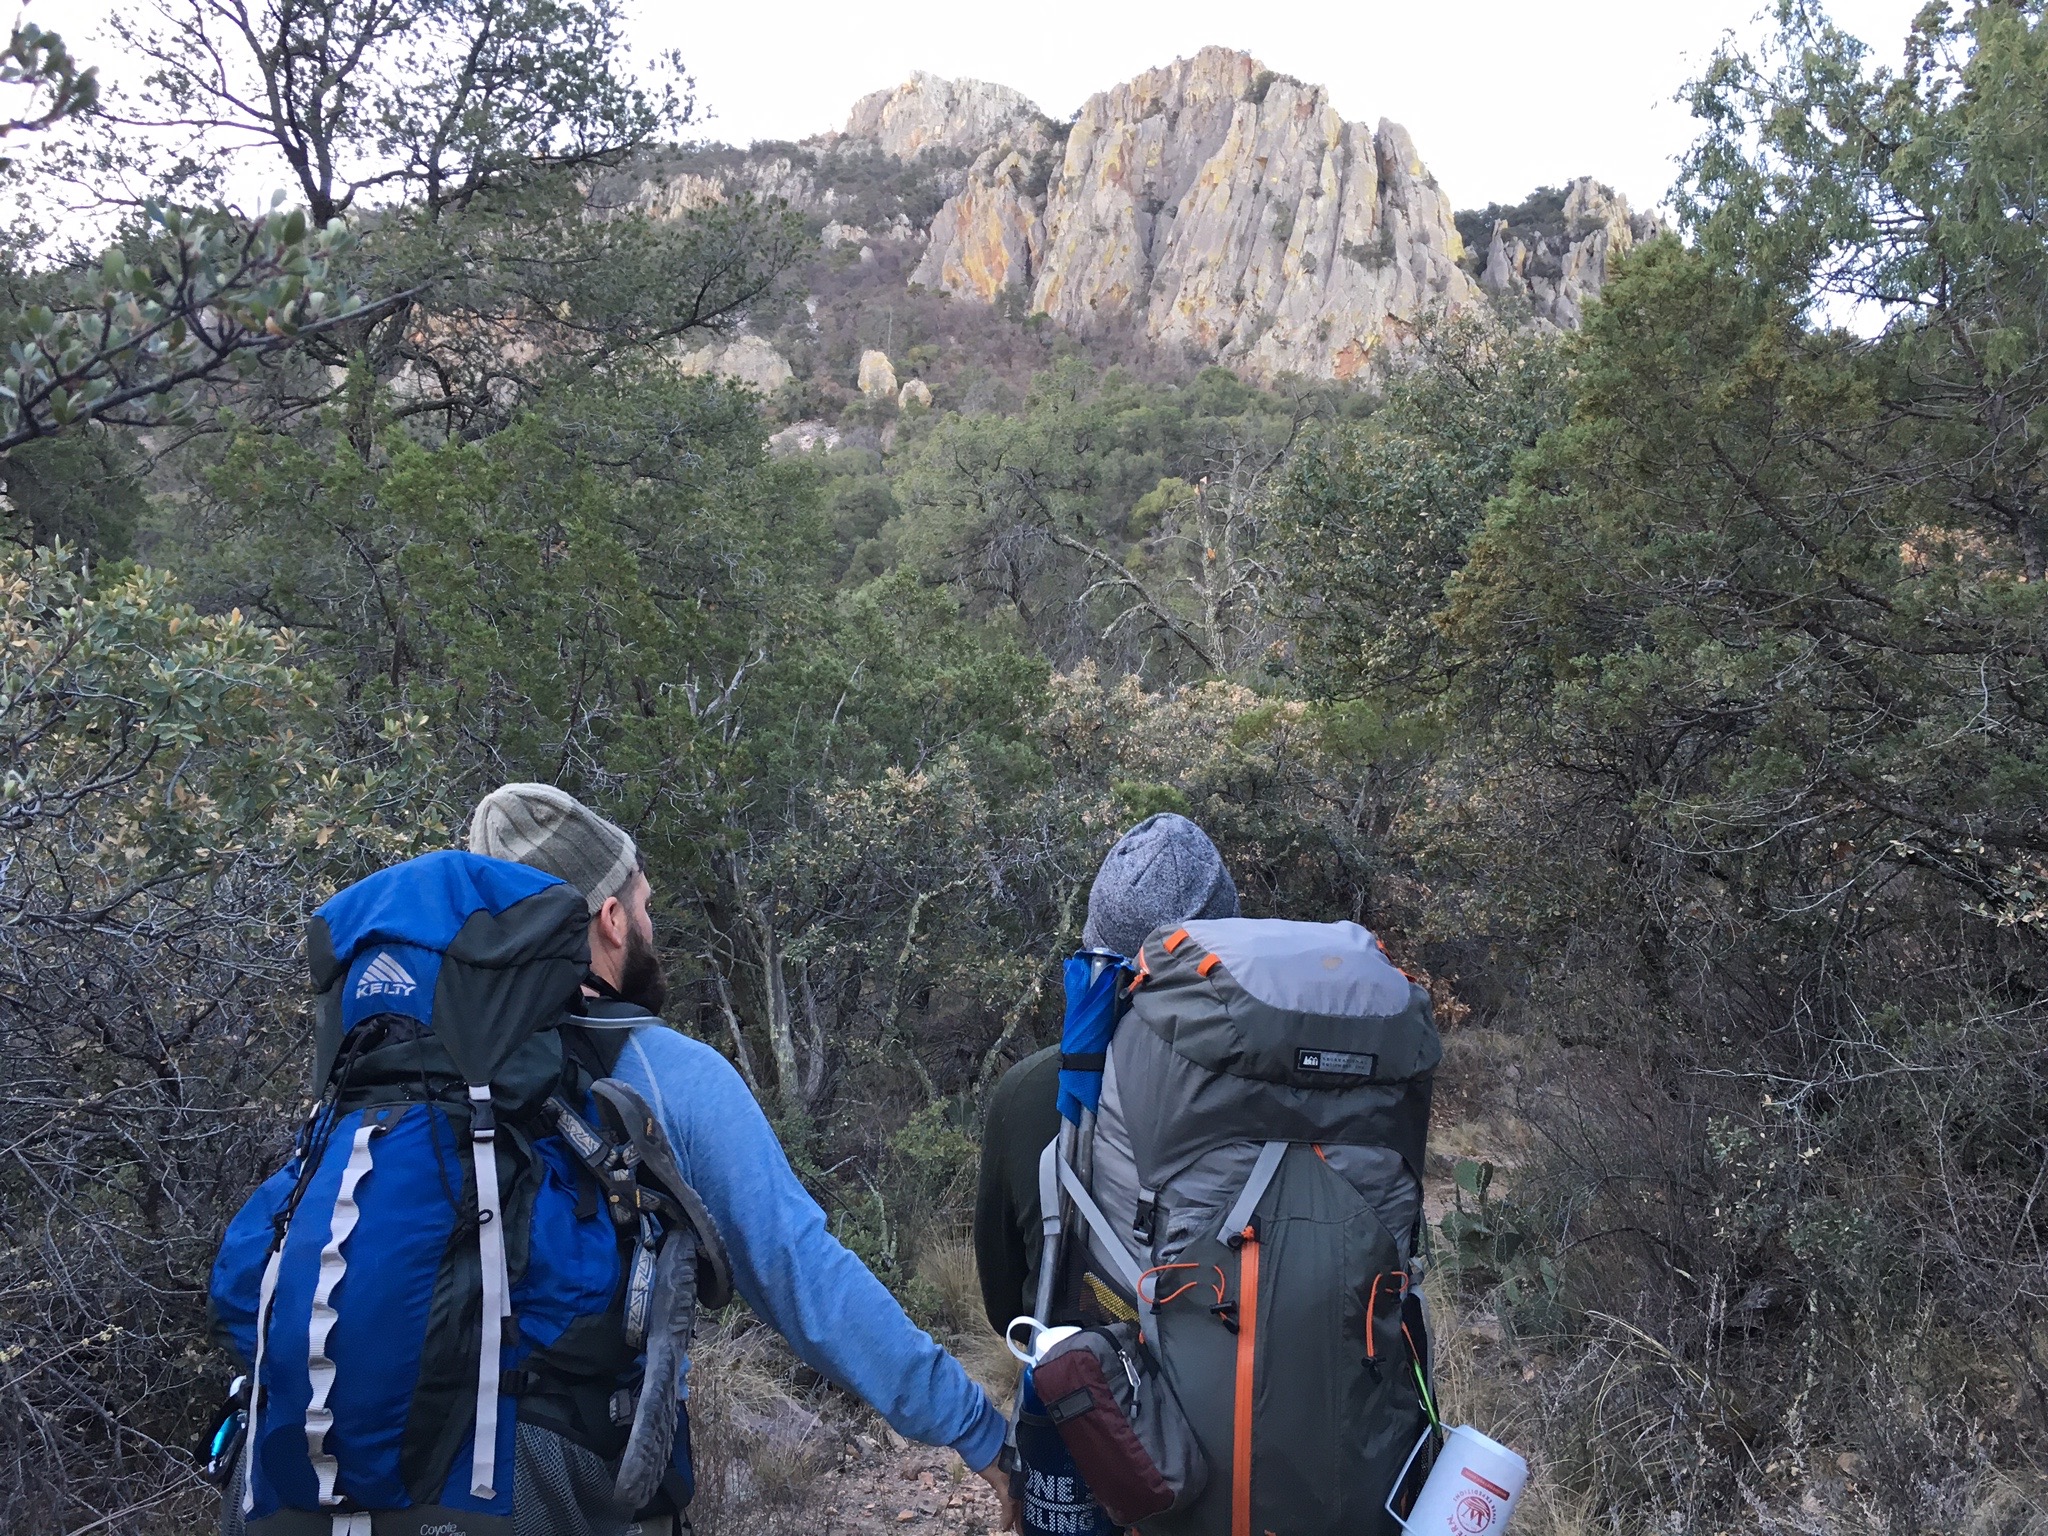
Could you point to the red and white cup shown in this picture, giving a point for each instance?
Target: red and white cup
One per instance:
(1471, 1490)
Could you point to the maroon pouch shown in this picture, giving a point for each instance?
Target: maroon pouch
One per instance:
(1121, 1423)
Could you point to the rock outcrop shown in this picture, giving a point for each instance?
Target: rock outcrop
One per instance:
(877, 377)
(914, 392)
(804, 437)
(986, 238)
(927, 113)
(1553, 250)
(746, 359)
(1211, 206)
(1216, 204)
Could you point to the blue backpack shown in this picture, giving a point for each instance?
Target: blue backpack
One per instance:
(479, 1230)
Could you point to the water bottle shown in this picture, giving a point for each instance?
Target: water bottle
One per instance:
(1052, 1498)
(1471, 1490)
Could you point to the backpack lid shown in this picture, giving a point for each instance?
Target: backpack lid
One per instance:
(1335, 969)
(381, 945)
(1310, 1005)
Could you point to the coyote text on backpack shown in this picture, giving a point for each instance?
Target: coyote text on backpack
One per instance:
(1250, 1187)
(482, 1241)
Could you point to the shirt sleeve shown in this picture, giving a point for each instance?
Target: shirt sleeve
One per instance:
(792, 1271)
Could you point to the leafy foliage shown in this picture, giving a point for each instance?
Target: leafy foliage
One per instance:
(1747, 714)
(198, 298)
(36, 68)
(1116, 521)
(1375, 515)
(169, 810)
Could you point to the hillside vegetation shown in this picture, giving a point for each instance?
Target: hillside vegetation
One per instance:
(1671, 695)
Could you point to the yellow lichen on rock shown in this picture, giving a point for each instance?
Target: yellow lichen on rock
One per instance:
(877, 377)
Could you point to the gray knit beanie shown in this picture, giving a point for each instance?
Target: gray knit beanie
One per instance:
(1164, 870)
(541, 825)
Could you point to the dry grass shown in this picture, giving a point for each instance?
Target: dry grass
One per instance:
(760, 1437)
(1478, 1382)
(947, 1267)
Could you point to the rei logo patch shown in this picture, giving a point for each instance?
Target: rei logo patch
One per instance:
(1341, 1063)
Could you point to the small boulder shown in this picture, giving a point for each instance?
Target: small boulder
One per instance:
(746, 359)
(877, 375)
(804, 437)
(914, 392)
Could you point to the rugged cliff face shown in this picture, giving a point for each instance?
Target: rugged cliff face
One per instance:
(989, 235)
(926, 113)
(1210, 206)
(1218, 205)
(1554, 248)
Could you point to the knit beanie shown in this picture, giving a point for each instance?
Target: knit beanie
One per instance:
(541, 825)
(1164, 870)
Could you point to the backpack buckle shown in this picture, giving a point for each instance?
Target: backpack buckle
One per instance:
(1145, 1220)
(483, 1123)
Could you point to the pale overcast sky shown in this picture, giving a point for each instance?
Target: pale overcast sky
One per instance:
(1501, 95)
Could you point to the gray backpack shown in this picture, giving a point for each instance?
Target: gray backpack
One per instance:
(1250, 1189)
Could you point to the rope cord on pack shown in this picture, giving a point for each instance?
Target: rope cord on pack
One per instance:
(433, 1142)
(1156, 1301)
(320, 1129)
(1372, 1308)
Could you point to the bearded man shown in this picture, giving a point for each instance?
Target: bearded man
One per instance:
(792, 1271)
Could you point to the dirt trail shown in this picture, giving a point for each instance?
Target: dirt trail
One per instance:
(917, 1489)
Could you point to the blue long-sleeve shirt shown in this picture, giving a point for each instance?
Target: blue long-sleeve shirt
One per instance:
(792, 1271)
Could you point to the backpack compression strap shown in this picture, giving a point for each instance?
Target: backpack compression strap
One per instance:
(1253, 1192)
(490, 1239)
(1119, 1254)
(264, 1295)
(1055, 1172)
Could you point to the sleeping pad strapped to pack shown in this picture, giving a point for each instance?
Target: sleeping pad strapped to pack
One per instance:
(1250, 1189)
(481, 1236)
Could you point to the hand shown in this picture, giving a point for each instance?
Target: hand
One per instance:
(996, 1478)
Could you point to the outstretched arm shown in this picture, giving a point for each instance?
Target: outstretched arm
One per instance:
(792, 1271)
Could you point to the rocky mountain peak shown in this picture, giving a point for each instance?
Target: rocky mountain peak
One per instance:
(1219, 205)
(1212, 206)
(927, 113)
(1553, 248)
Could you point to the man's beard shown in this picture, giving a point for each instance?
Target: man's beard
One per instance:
(641, 982)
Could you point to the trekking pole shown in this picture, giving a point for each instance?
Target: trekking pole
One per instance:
(1054, 1211)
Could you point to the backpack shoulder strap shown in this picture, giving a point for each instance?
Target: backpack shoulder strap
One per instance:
(1128, 1270)
(595, 1034)
(595, 1051)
